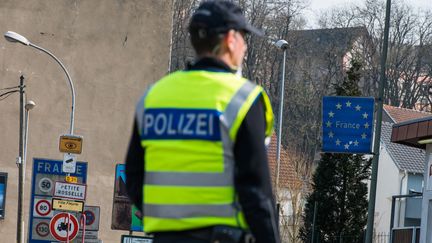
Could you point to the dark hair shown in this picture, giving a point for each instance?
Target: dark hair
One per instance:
(203, 42)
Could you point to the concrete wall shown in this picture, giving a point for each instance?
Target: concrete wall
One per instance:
(113, 49)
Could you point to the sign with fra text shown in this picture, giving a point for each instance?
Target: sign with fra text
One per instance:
(347, 124)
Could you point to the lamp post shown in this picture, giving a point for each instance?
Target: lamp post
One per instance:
(20, 163)
(282, 45)
(15, 37)
(28, 106)
(376, 151)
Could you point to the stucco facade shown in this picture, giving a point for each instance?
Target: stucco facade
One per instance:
(113, 50)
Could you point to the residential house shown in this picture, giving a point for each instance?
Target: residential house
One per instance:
(400, 172)
(292, 187)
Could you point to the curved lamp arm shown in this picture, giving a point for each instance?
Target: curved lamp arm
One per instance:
(70, 83)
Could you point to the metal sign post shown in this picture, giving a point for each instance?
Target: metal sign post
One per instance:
(376, 150)
(83, 222)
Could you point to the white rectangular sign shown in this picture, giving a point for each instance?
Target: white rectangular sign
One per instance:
(70, 190)
(69, 163)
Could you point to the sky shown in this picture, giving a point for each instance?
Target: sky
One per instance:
(316, 6)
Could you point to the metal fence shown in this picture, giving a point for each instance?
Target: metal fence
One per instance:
(381, 237)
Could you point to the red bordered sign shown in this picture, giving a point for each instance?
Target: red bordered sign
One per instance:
(64, 227)
(42, 229)
(42, 208)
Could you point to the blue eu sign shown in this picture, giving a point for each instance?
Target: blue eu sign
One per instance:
(347, 124)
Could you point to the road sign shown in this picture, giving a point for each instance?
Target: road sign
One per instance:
(347, 124)
(135, 239)
(46, 184)
(44, 175)
(69, 163)
(72, 179)
(92, 217)
(42, 229)
(67, 205)
(89, 235)
(64, 227)
(70, 190)
(42, 208)
(70, 144)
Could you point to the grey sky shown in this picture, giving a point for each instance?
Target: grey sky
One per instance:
(316, 6)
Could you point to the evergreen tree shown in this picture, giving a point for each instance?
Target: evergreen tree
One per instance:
(339, 187)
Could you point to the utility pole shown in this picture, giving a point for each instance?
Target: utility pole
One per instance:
(20, 163)
(314, 221)
(383, 80)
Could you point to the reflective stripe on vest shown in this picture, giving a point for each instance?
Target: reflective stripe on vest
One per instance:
(188, 211)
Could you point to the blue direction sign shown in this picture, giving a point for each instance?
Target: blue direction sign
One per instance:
(45, 173)
(347, 124)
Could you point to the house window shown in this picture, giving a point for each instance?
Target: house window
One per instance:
(3, 185)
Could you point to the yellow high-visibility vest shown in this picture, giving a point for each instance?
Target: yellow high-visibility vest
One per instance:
(188, 123)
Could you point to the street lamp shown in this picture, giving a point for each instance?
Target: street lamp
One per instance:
(28, 106)
(15, 37)
(282, 45)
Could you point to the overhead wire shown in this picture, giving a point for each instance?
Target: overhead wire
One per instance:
(8, 88)
(7, 94)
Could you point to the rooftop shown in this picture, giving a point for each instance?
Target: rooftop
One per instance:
(288, 177)
(398, 114)
(406, 158)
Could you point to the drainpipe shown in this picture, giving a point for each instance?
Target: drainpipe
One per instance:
(400, 193)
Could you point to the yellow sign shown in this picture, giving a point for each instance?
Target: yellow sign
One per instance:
(72, 179)
(66, 205)
(70, 144)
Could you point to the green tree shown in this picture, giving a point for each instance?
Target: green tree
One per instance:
(339, 186)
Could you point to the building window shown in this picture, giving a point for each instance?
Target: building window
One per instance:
(3, 185)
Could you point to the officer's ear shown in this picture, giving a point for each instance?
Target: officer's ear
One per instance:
(230, 41)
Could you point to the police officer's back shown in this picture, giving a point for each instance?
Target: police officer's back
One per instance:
(199, 136)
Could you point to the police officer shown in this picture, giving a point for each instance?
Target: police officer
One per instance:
(197, 165)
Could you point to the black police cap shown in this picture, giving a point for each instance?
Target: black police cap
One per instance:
(215, 17)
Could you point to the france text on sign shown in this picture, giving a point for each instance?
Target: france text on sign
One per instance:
(70, 144)
(347, 124)
(70, 190)
(66, 205)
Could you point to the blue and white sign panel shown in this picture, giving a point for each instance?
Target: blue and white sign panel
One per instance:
(46, 173)
(347, 124)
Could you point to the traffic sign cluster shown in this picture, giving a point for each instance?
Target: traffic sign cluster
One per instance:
(58, 202)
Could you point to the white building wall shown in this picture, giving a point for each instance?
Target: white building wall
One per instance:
(388, 184)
